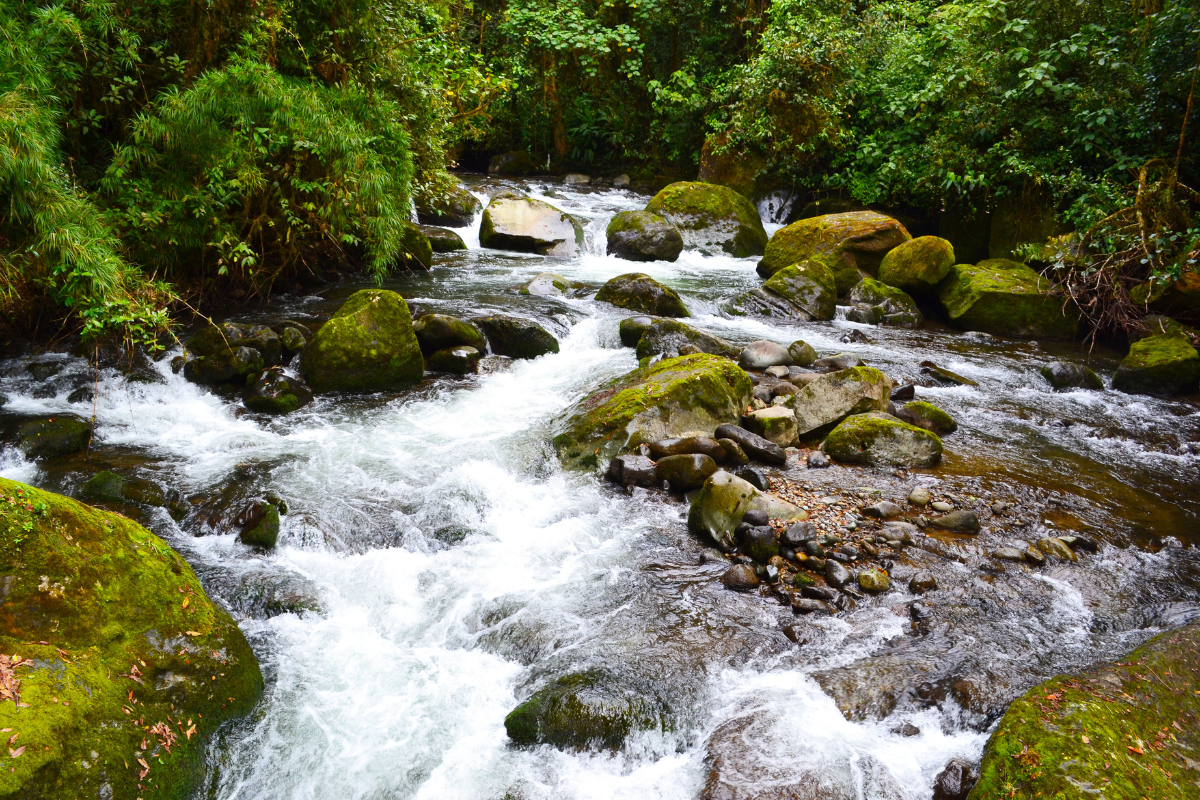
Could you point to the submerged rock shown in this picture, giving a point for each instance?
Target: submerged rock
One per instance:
(368, 346)
(711, 218)
(516, 337)
(1063, 375)
(669, 337)
(834, 396)
(276, 392)
(259, 524)
(643, 236)
(850, 245)
(878, 439)
(51, 437)
(514, 222)
(918, 265)
(639, 292)
(1005, 298)
(231, 352)
(109, 487)
(1165, 365)
(961, 521)
(126, 624)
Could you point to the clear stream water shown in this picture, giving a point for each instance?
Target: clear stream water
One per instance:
(444, 566)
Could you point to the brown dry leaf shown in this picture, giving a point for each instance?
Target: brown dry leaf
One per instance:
(186, 600)
(1137, 750)
(192, 633)
(12, 739)
(143, 763)
(16, 753)
(1086, 740)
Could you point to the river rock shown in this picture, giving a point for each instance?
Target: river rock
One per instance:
(1008, 554)
(686, 396)
(927, 416)
(918, 265)
(878, 439)
(460, 360)
(760, 543)
(639, 292)
(920, 497)
(230, 352)
(514, 222)
(453, 206)
(776, 424)
(1035, 556)
(1167, 364)
(688, 445)
(754, 445)
(955, 781)
(837, 362)
(586, 710)
(293, 340)
(817, 460)
(850, 245)
(836, 575)
(1053, 546)
(722, 504)
(957, 522)
(762, 354)
(643, 236)
(1062, 375)
(633, 470)
(945, 376)
(758, 479)
(547, 284)
(514, 162)
(259, 524)
(276, 392)
(873, 580)
(884, 509)
(416, 251)
(126, 624)
(515, 337)
(52, 437)
(734, 454)
(892, 305)
(922, 582)
(740, 578)
(686, 472)
(440, 331)
(668, 338)
(807, 285)
(632, 329)
(368, 346)
(442, 240)
(834, 396)
(711, 218)
(1005, 298)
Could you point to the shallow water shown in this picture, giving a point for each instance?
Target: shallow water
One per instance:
(445, 566)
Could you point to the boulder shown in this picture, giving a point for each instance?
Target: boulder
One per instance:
(416, 251)
(879, 439)
(259, 525)
(753, 445)
(808, 285)
(850, 245)
(834, 396)
(1166, 365)
(763, 354)
(230, 352)
(439, 331)
(458, 360)
(51, 437)
(893, 305)
(666, 337)
(724, 500)
(837, 361)
(686, 472)
(1062, 375)
(109, 487)
(367, 346)
(101, 617)
(643, 236)
(276, 392)
(453, 206)
(548, 284)
(1005, 298)
(776, 424)
(687, 445)
(633, 470)
(1117, 706)
(954, 782)
(514, 162)
(516, 337)
(918, 265)
(1155, 324)
(632, 329)
(515, 222)
(639, 292)
(443, 240)
(802, 353)
(686, 396)
(927, 416)
(586, 710)
(711, 218)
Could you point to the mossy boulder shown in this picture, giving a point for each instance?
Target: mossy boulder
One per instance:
(643, 236)
(1164, 365)
(1155, 324)
(516, 337)
(686, 396)
(850, 245)
(514, 222)
(808, 285)
(881, 440)
(1128, 727)
(547, 284)
(711, 218)
(443, 240)
(631, 329)
(1064, 375)
(458, 360)
(918, 265)
(368, 346)
(1177, 298)
(774, 423)
(514, 162)
(1005, 298)
(586, 710)
(260, 525)
(231, 352)
(639, 292)
(666, 337)
(127, 668)
(51, 437)
(416, 251)
(927, 416)
(276, 392)
(892, 306)
(439, 331)
(723, 501)
(453, 206)
(832, 397)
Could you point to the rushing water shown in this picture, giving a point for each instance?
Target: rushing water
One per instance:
(437, 565)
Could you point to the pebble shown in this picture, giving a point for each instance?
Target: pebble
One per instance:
(873, 580)
(740, 578)
(941, 506)
(882, 510)
(958, 522)
(1008, 554)
(922, 582)
(1053, 546)
(1035, 556)
(919, 497)
(817, 460)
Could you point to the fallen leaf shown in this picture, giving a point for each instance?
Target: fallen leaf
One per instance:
(12, 739)
(192, 633)
(16, 753)
(143, 763)
(186, 600)
(1133, 749)
(1086, 740)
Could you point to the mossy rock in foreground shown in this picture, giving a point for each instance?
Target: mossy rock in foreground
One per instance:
(1006, 298)
(686, 396)
(127, 668)
(1161, 365)
(1130, 729)
(368, 346)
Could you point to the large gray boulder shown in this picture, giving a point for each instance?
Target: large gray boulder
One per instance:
(514, 222)
(670, 338)
(643, 236)
(516, 337)
(836, 395)
(711, 218)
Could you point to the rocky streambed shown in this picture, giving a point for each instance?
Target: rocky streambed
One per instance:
(507, 573)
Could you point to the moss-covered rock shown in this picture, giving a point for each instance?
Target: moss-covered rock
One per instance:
(1165, 365)
(368, 346)
(439, 331)
(1155, 324)
(850, 245)
(665, 337)
(443, 240)
(927, 416)
(639, 292)
(514, 222)
(276, 392)
(453, 206)
(643, 236)
(586, 710)
(711, 218)
(686, 396)
(458, 360)
(834, 396)
(890, 305)
(802, 353)
(879, 439)
(723, 501)
(1123, 730)
(416, 251)
(127, 668)
(516, 337)
(260, 525)
(808, 285)
(51, 437)
(917, 265)
(231, 352)
(514, 162)
(1005, 298)
(774, 423)
(631, 329)
(1063, 375)
(1178, 298)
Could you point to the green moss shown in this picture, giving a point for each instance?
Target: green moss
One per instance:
(416, 251)
(133, 649)
(871, 292)
(685, 396)
(878, 439)
(928, 416)
(849, 245)
(665, 336)
(54, 436)
(1005, 298)
(1077, 737)
(439, 331)
(809, 284)
(706, 208)
(1166, 364)
(918, 265)
(639, 292)
(265, 531)
(367, 346)
(585, 710)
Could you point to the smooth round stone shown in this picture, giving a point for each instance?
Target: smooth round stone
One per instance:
(457, 360)
(942, 506)
(686, 472)
(958, 522)
(817, 460)
(740, 578)
(1053, 546)
(922, 582)
(837, 575)
(1008, 554)
(882, 510)
(806, 605)
(802, 353)
(763, 354)
(873, 580)
(919, 497)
